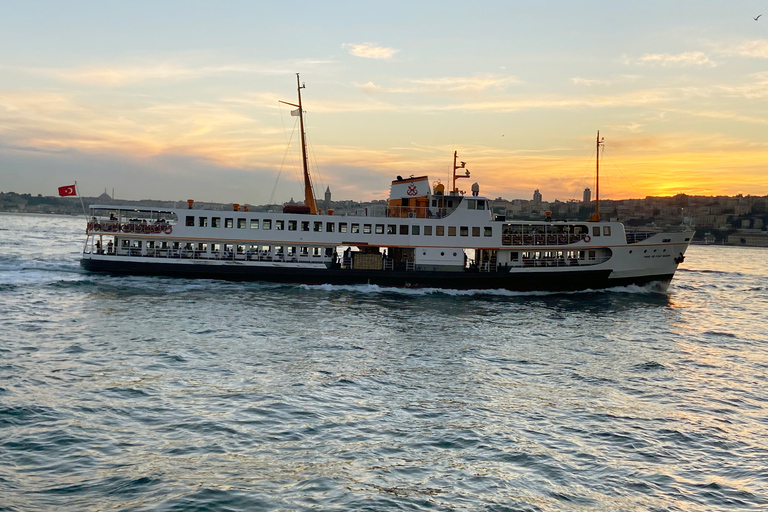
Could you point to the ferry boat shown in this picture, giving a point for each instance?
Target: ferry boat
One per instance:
(425, 236)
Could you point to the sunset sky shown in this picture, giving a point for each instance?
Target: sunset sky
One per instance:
(179, 99)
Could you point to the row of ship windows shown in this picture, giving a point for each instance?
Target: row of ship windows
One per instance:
(203, 247)
(341, 227)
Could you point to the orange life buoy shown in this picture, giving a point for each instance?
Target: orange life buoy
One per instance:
(587, 238)
(168, 230)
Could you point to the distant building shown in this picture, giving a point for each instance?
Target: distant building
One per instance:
(587, 196)
(537, 197)
(104, 198)
(748, 239)
(327, 198)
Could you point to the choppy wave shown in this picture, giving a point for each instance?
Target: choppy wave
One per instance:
(650, 288)
(147, 393)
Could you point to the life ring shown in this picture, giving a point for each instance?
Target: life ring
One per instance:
(587, 238)
(168, 230)
(96, 226)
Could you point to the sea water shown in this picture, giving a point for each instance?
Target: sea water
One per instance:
(148, 393)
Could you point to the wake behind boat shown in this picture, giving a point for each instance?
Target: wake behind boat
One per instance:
(426, 236)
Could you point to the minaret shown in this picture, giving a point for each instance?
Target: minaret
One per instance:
(328, 198)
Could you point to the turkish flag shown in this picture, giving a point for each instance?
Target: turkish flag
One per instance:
(69, 190)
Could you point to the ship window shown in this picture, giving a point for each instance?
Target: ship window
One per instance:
(254, 223)
(415, 230)
(450, 203)
(475, 231)
(488, 231)
(379, 229)
(342, 227)
(305, 251)
(329, 251)
(427, 230)
(514, 256)
(591, 255)
(318, 226)
(366, 229)
(266, 224)
(607, 230)
(216, 222)
(480, 204)
(240, 223)
(355, 228)
(202, 222)
(403, 229)
(150, 245)
(215, 248)
(316, 251)
(240, 249)
(228, 223)
(471, 204)
(391, 229)
(191, 220)
(464, 231)
(202, 247)
(434, 203)
(439, 230)
(451, 230)
(329, 227)
(305, 225)
(126, 244)
(595, 230)
(280, 225)
(292, 225)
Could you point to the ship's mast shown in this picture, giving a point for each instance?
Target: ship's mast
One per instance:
(455, 189)
(309, 195)
(598, 144)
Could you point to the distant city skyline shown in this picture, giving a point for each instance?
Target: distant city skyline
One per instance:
(180, 99)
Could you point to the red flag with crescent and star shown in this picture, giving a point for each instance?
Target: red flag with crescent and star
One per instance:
(68, 190)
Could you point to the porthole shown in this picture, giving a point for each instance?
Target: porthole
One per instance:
(442, 254)
(454, 254)
(630, 251)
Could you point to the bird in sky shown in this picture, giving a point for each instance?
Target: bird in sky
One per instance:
(757, 16)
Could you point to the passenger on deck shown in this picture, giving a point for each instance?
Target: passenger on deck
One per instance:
(109, 247)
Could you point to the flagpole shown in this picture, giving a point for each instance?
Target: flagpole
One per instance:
(77, 191)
